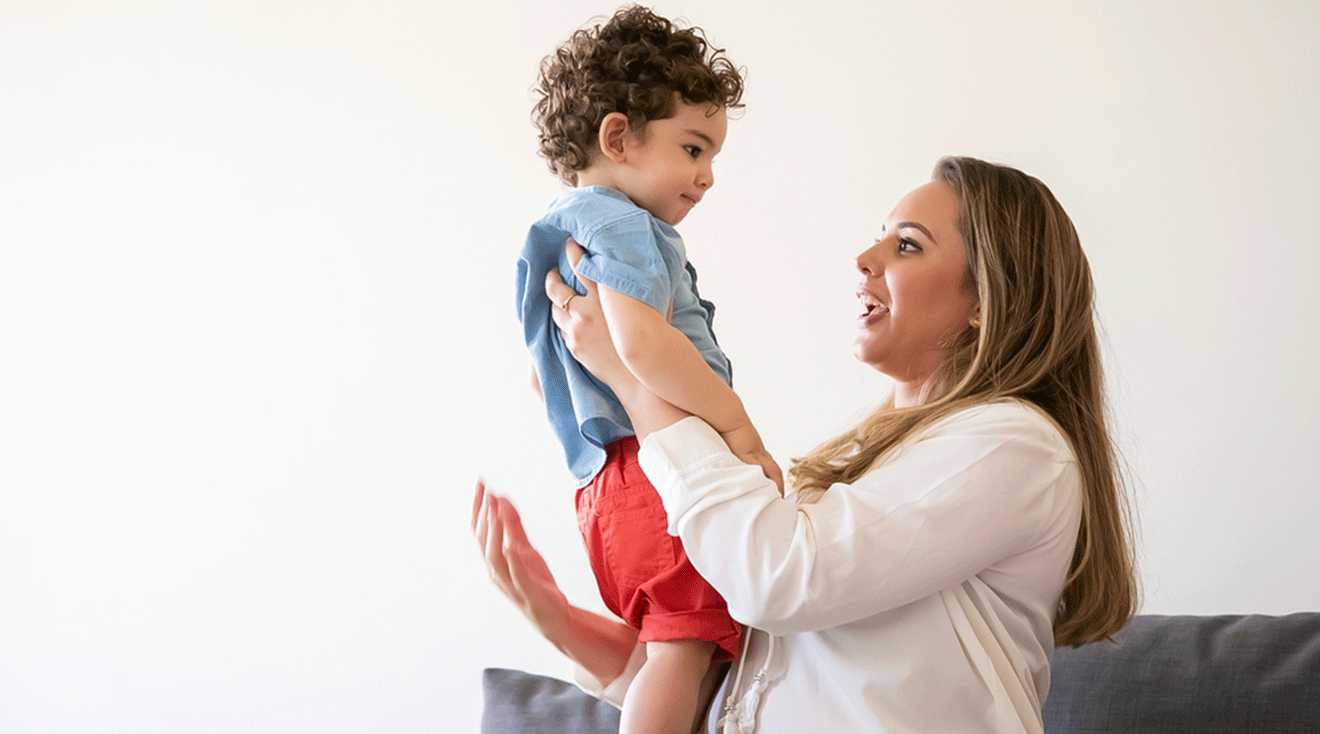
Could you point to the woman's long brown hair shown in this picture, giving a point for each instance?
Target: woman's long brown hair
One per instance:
(1038, 343)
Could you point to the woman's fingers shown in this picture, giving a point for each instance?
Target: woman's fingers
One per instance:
(511, 521)
(574, 252)
(481, 518)
(557, 290)
(531, 584)
(489, 531)
(516, 568)
(515, 546)
(495, 556)
(478, 496)
(526, 567)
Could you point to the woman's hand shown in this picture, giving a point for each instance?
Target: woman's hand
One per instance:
(582, 322)
(517, 569)
(601, 645)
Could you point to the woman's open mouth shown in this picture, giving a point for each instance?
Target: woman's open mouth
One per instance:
(874, 308)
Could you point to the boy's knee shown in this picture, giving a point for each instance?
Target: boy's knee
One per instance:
(694, 653)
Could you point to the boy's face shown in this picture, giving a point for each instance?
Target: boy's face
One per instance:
(667, 168)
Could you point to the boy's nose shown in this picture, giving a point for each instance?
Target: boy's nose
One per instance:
(706, 178)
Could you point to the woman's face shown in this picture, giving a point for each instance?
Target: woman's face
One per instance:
(914, 287)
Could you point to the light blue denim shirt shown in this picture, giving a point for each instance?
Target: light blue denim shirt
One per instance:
(631, 252)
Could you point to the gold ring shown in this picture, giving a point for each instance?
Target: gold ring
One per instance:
(564, 305)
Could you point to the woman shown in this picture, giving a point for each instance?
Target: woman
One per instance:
(931, 558)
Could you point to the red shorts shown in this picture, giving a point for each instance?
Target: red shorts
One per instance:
(643, 572)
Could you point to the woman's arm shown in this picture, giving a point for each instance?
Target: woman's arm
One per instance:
(991, 484)
(600, 645)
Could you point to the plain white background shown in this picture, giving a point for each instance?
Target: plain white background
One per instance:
(257, 334)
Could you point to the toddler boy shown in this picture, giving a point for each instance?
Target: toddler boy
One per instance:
(631, 113)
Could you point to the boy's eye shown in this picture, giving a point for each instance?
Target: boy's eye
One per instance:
(692, 150)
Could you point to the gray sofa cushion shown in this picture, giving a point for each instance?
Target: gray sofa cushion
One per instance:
(523, 703)
(1176, 675)
(1164, 675)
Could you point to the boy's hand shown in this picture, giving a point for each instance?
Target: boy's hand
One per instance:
(745, 443)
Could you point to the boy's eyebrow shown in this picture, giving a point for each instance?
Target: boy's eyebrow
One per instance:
(701, 135)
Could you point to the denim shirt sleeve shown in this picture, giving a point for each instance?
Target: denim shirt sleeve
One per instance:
(623, 255)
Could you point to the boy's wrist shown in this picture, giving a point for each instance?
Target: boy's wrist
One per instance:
(742, 432)
(733, 419)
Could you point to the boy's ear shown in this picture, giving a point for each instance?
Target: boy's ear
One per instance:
(613, 135)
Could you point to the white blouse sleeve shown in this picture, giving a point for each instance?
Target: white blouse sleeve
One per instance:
(981, 486)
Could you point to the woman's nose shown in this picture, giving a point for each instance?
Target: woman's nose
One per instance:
(868, 261)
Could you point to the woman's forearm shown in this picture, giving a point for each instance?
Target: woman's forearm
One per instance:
(600, 645)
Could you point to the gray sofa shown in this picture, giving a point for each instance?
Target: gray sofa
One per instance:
(1163, 675)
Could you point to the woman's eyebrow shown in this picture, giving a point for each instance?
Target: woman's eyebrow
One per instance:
(915, 225)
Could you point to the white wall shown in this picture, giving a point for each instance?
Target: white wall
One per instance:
(257, 334)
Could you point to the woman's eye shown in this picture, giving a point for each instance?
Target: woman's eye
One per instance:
(692, 150)
(907, 245)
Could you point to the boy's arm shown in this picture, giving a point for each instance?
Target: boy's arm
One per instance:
(668, 364)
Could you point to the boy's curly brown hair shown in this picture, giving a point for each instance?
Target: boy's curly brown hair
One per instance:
(637, 63)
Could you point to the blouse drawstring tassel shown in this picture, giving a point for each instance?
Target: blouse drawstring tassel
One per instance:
(740, 717)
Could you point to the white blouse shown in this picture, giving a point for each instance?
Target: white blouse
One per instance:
(920, 598)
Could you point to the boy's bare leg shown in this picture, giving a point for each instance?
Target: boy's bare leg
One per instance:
(710, 685)
(666, 695)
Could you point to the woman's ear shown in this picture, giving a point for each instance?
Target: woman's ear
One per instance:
(975, 319)
(613, 134)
